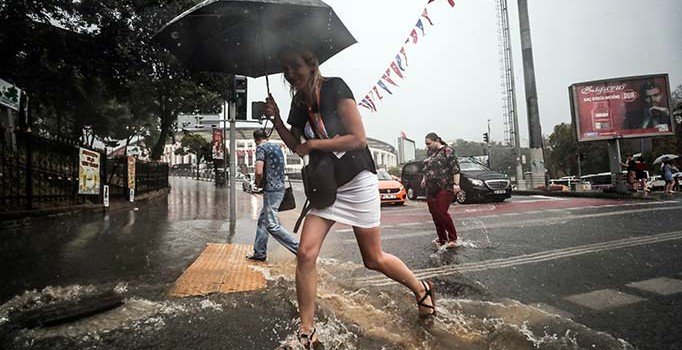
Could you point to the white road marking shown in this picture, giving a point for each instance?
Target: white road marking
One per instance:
(380, 280)
(516, 223)
(603, 299)
(662, 286)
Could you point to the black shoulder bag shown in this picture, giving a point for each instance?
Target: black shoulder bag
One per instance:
(319, 180)
(288, 202)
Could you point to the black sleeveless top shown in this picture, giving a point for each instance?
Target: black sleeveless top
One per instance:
(332, 91)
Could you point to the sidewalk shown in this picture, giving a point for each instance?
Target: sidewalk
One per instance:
(24, 217)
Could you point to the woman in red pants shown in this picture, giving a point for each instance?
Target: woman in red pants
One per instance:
(441, 180)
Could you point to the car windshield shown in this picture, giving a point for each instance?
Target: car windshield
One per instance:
(384, 176)
(471, 166)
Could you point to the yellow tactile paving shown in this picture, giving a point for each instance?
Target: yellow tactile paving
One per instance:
(220, 268)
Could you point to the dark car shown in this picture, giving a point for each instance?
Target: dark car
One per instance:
(478, 183)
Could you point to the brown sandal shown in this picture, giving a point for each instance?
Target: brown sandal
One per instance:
(428, 293)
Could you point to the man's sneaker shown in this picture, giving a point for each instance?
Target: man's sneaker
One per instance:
(255, 258)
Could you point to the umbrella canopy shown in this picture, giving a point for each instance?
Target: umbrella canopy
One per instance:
(637, 155)
(665, 157)
(245, 36)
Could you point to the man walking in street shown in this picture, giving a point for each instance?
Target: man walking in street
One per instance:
(270, 176)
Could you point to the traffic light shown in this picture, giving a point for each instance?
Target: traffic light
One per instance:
(239, 96)
(486, 139)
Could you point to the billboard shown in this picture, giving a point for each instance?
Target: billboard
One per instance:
(217, 143)
(9, 95)
(628, 107)
(88, 171)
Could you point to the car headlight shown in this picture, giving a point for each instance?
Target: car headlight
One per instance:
(477, 183)
(401, 188)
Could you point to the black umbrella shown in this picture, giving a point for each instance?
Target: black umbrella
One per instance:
(244, 36)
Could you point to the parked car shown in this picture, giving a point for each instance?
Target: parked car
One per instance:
(249, 184)
(390, 190)
(478, 183)
(655, 183)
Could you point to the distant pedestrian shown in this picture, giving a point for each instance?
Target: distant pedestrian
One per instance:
(441, 180)
(630, 167)
(668, 169)
(270, 176)
(641, 175)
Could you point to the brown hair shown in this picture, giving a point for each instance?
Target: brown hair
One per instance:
(315, 83)
(434, 137)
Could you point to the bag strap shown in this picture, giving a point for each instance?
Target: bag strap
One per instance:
(304, 212)
(311, 116)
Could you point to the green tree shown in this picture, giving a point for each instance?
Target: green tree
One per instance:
(198, 146)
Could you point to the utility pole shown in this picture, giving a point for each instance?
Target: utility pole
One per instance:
(534, 129)
(490, 161)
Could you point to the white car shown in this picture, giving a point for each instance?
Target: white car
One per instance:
(249, 184)
(655, 183)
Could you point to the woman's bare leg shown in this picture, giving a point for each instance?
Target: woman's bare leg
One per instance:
(369, 242)
(315, 229)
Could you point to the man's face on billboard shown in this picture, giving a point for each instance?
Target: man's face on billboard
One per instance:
(652, 97)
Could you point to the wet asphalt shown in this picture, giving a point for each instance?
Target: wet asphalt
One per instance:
(561, 255)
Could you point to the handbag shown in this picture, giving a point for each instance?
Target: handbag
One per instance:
(288, 202)
(319, 180)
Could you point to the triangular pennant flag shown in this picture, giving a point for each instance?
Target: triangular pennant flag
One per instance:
(430, 1)
(387, 77)
(371, 103)
(452, 3)
(383, 86)
(366, 105)
(425, 14)
(420, 25)
(402, 51)
(414, 36)
(400, 62)
(377, 92)
(407, 40)
(396, 69)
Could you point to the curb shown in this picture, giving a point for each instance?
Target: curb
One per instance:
(23, 218)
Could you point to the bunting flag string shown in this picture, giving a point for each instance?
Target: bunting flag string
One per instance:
(383, 86)
(397, 65)
(420, 25)
(425, 14)
(399, 61)
(402, 51)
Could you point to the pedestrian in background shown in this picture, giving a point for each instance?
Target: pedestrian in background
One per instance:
(630, 167)
(324, 112)
(641, 175)
(668, 169)
(270, 176)
(441, 180)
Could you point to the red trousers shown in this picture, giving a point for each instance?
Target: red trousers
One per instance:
(438, 207)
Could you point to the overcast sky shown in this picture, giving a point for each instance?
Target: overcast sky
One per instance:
(452, 84)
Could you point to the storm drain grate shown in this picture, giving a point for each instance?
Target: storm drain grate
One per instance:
(220, 268)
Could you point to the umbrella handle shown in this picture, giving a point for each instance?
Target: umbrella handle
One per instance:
(267, 83)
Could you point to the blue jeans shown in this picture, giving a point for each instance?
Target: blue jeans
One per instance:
(268, 222)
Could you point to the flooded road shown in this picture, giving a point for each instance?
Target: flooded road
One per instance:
(532, 273)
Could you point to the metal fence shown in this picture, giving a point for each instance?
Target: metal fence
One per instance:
(38, 172)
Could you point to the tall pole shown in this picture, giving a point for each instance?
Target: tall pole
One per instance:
(233, 161)
(534, 129)
(490, 161)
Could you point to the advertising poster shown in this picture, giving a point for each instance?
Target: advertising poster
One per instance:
(131, 172)
(88, 171)
(217, 144)
(9, 95)
(629, 107)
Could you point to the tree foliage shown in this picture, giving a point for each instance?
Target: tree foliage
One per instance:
(93, 71)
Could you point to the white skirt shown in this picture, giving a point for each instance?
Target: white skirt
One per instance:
(357, 203)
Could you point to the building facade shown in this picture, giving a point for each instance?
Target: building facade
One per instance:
(384, 154)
